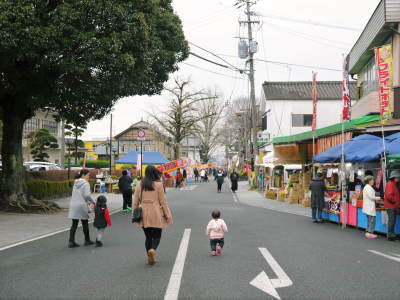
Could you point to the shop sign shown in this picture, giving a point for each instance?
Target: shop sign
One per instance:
(172, 166)
(384, 68)
(332, 203)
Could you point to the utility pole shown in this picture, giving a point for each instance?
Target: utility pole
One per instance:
(249, 22)
(110, 144)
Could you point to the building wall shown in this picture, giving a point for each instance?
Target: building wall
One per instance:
(279, 118)
(43, 120)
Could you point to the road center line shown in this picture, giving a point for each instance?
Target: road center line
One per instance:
(176, 275)
(385, 255)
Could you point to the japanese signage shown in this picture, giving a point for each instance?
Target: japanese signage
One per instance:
(384, 68)
(332, 203)
(172, 166)
(139, 161)
(346, 113)
(314, 87)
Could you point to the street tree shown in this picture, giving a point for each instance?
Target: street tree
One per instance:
(209, 127)
(77, 58)
(40, 141)
(75, 131)
(182, 116)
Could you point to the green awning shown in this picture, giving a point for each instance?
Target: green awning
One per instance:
(336, 128)
(393, 160)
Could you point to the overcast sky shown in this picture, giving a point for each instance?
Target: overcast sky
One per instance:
(213, 25)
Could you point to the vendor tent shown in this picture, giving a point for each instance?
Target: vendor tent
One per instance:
(363, 148)
(149, 158)
(393, 144)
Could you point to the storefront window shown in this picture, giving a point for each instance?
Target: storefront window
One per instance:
(370, 82)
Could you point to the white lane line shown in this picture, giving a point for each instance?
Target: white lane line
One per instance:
(385, 255)
(46, 235)
(176, 275)
(234, 195)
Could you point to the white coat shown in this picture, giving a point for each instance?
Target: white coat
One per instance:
(78, 207)
(369, 198)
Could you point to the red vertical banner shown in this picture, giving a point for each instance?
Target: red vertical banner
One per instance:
(346, 113)
(314, 87)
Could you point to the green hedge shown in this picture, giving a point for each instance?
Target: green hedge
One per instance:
(97, 164)
(42, 189)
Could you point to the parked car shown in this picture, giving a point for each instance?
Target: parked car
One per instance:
(40, 165)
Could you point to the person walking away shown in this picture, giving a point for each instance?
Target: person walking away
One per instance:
(125, 186)
(203, 175)
(234, 181)
(179, 178)
(216, 229)
(184, 175)
(369, 206)
(215, 173)
(220, 181)
(318, 192)
(149, 194)
(79, 207)
(196, 174)
(392, 202)
(101, 218)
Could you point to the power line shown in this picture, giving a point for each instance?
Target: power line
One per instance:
(212, 53)
(200, 68)
(290, 64)
(210, 61)
(308, 22)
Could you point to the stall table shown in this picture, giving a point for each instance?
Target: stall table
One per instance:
(379, 227)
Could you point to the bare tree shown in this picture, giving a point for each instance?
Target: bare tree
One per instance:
(208, 128)
(181, 118)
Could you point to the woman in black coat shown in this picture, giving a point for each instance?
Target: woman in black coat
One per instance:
(220, 180)
(234, 181)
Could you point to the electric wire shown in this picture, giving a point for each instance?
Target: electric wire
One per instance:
(210, 71)
(213, 54)
(308, 22)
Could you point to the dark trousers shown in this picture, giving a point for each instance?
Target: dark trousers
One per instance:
(127, 196)
(392, 215)
(219, 186)
(316, 214)
(214, 242)
(153, 237)
(74, 226)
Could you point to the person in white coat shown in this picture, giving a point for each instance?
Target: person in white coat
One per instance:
(79, 208)
(369, 206)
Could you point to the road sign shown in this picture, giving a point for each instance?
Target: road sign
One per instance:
(141, 134)
(267, 285)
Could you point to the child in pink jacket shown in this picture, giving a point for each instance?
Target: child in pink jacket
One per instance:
(216, 229)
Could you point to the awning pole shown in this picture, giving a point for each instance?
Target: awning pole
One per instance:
(343, 183)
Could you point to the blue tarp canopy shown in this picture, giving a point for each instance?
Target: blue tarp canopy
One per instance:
(149, 158)
(393, 145)
(363, 148)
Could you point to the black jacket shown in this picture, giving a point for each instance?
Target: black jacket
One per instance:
(318, 189)
(125, 183)
(99, 219)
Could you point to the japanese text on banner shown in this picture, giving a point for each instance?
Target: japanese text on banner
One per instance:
(384, 67)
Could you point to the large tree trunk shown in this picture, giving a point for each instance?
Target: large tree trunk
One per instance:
(177, 151)
(13, 181)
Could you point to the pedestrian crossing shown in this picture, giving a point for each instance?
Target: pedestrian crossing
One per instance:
(188, 188)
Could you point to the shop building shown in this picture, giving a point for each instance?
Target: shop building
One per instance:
(383, 28)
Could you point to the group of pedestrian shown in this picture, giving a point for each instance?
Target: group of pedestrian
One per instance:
(390, 201)
(155, 213)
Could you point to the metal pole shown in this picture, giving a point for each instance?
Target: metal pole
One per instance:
(110, 144)
(252, 86)
(384, 166)
(343, 207)
(141, 158)
(69, 162)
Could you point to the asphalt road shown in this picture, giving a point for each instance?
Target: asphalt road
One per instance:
(322, 260)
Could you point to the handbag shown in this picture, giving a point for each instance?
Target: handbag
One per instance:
(137, 214)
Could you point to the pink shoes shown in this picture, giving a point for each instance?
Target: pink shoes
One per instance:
(213, 253)
(370, 235)
(219, 250)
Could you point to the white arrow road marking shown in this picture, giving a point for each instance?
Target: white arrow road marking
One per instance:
(267, 285)
(176, 275)
(386, 255)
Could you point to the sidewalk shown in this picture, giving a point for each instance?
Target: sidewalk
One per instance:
(15, 228)
(254, 198)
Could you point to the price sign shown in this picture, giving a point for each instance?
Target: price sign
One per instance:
(141, 134)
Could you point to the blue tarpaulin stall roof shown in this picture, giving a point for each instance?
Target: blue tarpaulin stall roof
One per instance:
(149, 158)
(393, 146)
(363, 148)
